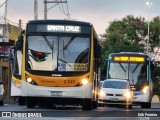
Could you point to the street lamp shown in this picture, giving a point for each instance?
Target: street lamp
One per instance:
(148, 3)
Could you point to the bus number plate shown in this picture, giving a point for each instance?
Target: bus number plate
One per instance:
(56, 93)
(137, 93)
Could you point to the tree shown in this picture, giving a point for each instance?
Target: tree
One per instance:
(126, 35)
(130, 35)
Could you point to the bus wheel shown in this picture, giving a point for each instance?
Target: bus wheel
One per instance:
(21, 101)
(101, 105)
(31, 103)
(146, 105)
(129, 107)
(1, 103)
(87, 104)
(95, 104)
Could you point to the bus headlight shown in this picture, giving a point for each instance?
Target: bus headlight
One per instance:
(84, 81)
(29, 79)
(145, 89)
(127, 94)
(102, 93)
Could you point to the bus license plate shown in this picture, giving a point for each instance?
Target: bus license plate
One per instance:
(56, 93)
(114, 99)
(137, 93)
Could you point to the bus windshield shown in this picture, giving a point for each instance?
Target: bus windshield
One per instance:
(136, 73)
(58, 53)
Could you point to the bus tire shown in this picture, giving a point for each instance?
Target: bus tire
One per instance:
(129, 106)
(95, 104)
(146, 105)
(101, 105)
(21, 101)
(1, 103)
(87, 104)
(31, 103)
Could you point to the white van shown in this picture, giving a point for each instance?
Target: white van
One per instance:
(1, 93)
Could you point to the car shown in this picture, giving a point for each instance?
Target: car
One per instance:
(114, 91)
(1, 93)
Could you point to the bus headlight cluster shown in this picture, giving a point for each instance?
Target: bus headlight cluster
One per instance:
(29, 79)
(145, 90)
(127, 94)
(84, 81)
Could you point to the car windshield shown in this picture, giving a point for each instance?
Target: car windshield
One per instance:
(58, 53)
(136, 73)
(116, 84)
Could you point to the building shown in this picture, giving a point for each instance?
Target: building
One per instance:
(8, 36)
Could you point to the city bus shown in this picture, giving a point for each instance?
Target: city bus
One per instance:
(15, 63)
(60, 63)
(134, 67)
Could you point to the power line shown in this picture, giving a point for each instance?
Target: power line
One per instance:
(60, 8)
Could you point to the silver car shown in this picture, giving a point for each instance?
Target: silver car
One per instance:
(114, 91)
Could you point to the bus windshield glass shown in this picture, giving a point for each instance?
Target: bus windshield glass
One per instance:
(58, 53)
(136, 73)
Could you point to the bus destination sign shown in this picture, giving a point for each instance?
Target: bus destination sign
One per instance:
(129, 59)
(63, 28)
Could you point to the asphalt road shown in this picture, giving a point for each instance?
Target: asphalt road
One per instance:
(71, 113)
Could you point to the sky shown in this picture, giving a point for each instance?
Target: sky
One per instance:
(99, 12)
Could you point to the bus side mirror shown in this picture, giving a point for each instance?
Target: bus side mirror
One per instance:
(19, 43)
(11, 56)
(152, 66)
(104, 70)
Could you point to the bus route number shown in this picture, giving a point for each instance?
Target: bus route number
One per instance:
(69, 81)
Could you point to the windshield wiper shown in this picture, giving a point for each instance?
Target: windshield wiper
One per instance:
(48, 43)
(135, 68)
(122, 67)
(69, 42)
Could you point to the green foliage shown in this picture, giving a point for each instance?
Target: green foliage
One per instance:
(124, 36)
(130, 35)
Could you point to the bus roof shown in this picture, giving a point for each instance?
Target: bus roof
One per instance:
(59, 22)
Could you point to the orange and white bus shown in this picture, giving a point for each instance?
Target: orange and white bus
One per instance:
(60, 63)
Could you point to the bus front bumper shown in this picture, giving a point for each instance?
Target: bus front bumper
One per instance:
(30, 90)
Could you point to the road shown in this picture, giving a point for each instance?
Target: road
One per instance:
(72, 113)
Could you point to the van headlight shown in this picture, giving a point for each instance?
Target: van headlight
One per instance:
(84, 81)
(127, 94)
(145, 90)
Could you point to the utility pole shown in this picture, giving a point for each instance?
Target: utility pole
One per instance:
(45, 9)
(35, 10)
(5, 16)
(54, 1)
(5, 23)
